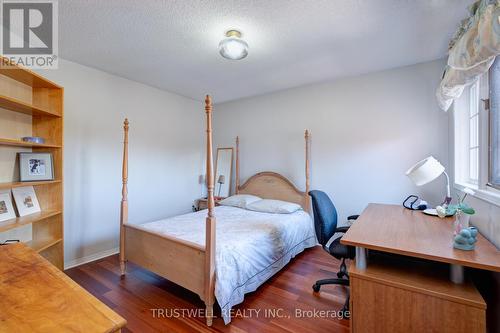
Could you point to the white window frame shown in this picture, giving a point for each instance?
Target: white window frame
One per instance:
(475, 113)
(462, 113)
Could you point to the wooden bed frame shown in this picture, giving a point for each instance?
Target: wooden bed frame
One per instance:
(186, 263)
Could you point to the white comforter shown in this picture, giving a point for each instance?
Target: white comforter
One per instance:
(251, 246)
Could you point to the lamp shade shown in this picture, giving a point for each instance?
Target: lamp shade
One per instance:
(425, 171)
(222, 179)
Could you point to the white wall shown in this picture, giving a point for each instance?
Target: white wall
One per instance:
(166, 155)
(366, 132)
(486, 219)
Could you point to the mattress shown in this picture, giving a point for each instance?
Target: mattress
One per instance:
(250, 246)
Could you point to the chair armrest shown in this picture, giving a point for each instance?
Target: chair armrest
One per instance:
(352, 217)
(342, 229)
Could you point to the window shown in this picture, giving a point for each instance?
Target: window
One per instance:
(477, 137)
(494, 118)
(474, 134)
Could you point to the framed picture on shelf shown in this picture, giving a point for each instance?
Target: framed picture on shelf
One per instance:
(36, 167)
(26, 200)
(6, 208)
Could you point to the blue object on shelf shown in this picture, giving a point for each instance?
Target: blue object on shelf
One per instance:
(33, 139)
(466, 239)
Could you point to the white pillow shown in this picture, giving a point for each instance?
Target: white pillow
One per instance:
(239, 200)
(274, 206)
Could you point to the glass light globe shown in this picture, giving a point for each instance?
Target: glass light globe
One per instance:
(233, 47)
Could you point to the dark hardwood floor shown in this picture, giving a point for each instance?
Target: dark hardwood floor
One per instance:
(285, 303)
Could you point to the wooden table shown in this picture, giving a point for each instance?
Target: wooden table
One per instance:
(37, 297)
(411, 292)
(395, 229)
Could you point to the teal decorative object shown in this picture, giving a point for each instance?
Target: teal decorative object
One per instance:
(466, 239)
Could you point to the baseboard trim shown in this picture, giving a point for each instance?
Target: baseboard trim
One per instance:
(93, 257)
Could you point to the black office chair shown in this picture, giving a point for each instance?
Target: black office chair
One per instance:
(325, 224)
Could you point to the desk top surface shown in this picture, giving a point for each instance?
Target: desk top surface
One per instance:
(395, 229)
(36, 296)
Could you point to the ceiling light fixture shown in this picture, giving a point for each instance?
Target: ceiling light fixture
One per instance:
(233, 47)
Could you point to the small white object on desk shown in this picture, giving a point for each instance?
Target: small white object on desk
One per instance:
(431, 211)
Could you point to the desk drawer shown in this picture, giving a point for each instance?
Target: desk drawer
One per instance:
(378, 307)
(401, 294)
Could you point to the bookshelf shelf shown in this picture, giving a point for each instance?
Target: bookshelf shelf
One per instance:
(15, 105)
(20, 143)
(29, 219)
(43, 244)
(4, 186)
(25, 76)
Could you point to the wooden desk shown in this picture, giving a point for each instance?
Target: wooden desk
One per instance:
(398, 296)
(395, 229)
(37, 297)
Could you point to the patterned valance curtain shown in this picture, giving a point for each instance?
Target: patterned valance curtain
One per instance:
(471, 51)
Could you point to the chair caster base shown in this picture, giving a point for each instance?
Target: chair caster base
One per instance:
(319, 283)
(345, 308)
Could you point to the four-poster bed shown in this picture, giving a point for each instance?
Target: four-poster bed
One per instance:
(180, 250)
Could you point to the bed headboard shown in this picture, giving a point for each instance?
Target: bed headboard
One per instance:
(272, 185)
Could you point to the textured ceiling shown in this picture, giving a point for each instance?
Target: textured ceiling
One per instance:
(172, 45)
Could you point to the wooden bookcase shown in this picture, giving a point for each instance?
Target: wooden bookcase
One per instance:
(31, 105)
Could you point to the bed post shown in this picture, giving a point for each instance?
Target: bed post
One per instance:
(308, 181)
(124, 203)
(210, 222)
(237, 164)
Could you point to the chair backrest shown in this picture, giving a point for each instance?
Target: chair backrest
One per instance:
(325, 216)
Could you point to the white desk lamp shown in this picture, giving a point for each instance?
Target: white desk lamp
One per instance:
(425, 172)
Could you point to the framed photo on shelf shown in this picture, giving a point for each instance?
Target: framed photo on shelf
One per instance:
(6, 208)
(35, 167)
(26, 200)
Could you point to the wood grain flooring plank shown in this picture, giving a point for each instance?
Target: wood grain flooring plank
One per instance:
(134, 297)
